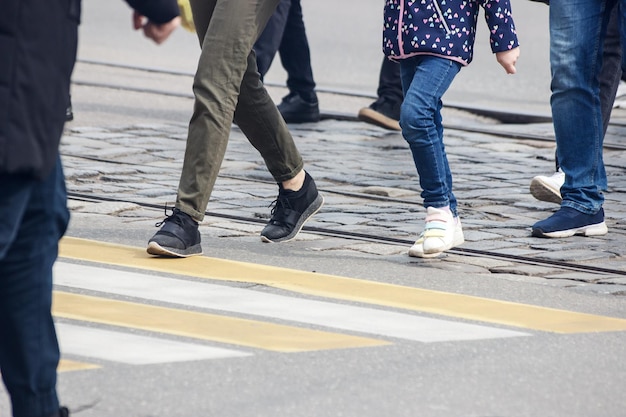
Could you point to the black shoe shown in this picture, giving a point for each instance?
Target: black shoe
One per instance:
(383, 112)
(295, 109)
(291, 210)
(179, 237)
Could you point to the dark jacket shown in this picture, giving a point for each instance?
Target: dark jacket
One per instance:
(446, 28)
(38, 40)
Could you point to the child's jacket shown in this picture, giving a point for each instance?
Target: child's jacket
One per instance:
(446, 28)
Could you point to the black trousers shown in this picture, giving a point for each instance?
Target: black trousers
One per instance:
(285, 34)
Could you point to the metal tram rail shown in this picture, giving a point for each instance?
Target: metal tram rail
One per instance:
(504, 117)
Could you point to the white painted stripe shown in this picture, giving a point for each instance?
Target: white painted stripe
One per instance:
(133, 349)
(244, 301)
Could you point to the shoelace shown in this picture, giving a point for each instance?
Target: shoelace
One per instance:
(170, 218)
(278, 207)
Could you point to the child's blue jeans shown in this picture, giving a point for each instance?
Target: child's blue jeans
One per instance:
(425, 79)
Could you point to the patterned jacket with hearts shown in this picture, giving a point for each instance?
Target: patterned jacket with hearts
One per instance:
(446, 28)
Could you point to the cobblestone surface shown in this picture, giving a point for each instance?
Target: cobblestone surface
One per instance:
(370, 184)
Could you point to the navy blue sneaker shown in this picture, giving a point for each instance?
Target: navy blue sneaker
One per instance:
(179, 237)
(569, 222)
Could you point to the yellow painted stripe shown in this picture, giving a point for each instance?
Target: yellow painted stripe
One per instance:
(66, 365)
(437, 302)
(204, 326)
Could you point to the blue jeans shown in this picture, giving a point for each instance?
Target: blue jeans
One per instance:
(577, 32)
(425, 79)
(33, 217)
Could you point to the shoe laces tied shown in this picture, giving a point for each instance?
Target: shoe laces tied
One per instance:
(279, 208)
(174, 217)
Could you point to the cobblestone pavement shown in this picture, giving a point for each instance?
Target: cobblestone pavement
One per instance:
(370, 185)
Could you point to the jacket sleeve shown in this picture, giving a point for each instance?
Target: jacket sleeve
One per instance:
(502, 33)
(158, 11)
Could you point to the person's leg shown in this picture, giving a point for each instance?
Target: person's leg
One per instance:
(301, 104)
(227, 87)
(389, 84)
(611, 72)
(425, 79)
(385, 111)
(548, 188)
(622, 25)
(268, 43)
(266, 130)
(295, 55)
(227, 29)
(33, 217)
(577, 32)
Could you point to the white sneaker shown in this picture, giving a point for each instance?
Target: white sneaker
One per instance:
(545, 188)
(441, 232)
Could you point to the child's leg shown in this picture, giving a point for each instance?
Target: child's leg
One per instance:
(425, 79)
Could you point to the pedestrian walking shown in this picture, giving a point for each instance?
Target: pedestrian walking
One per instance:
(227, 88)
(432, 43)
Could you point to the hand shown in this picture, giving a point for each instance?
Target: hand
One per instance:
(508, 59)
(157, 32)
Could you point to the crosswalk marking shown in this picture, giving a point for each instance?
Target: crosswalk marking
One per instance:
(243, 301)
(68, 365)
(204, 326)
(133, 349)
(436, 302)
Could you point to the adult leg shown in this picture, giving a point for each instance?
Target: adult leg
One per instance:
(227, 30)
(269, 42)
(33, 216)
(389, 84)
(266, 130)
(611, 72)
(227, 79)
(301, 104)
(548, 188)
(295, 55)
(577, 32)
(385, 111)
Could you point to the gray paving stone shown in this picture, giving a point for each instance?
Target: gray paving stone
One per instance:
(491, 183)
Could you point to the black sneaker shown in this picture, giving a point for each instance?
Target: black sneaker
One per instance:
(569, 222)
(383, 112)
(291, 210)
(179, 237)
(295, 109)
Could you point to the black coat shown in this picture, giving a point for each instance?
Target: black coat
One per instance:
(38, 40)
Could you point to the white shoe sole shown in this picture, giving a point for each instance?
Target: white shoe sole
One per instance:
(158, 250)
(599, 229)
(543, 190)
